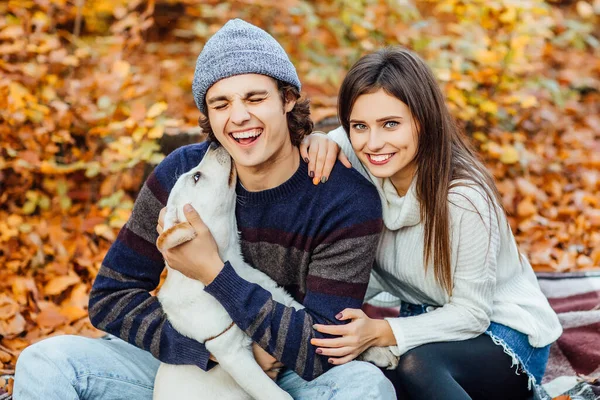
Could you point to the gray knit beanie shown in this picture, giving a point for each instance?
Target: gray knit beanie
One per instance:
(240, 48)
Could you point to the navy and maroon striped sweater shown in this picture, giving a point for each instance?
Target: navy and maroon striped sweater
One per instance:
(318, 242)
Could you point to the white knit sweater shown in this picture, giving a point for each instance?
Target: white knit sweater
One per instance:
(491, 282)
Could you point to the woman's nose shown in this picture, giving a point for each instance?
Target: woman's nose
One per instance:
(375, 141)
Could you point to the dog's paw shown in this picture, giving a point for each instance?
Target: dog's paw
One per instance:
(380, 356)
(175, 235)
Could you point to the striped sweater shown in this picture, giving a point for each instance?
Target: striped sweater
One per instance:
(319, 242)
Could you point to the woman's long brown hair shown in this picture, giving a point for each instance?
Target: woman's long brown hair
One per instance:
(444, 155)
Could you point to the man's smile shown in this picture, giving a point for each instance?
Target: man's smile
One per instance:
(246, 137)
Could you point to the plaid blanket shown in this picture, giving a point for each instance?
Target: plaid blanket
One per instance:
(573, 370)
(574, 365)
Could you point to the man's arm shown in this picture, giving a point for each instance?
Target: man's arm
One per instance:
(337, 279)
(120, 302)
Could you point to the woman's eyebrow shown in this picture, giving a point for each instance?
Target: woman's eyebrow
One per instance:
(388, 117)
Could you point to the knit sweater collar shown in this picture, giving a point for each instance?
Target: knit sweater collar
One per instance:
(398, 211)
(292, 185)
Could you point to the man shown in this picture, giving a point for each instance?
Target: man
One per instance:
(318, 241)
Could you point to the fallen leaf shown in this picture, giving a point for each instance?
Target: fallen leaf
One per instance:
(60, 284)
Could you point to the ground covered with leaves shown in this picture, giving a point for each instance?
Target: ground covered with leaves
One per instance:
(89, 89)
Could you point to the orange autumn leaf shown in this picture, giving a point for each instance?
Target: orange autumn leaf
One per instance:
(526, 208)
(8, 307)
(51, 317)
(59, 284)
(13, 326)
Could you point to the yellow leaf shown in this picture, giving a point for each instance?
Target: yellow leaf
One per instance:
(156, 109)
(509, 155)
(509, 16)
(18, 95)
(480, 136)
(489, 107)
(486, 57)
(156, 132)
(139, 133)
(28, 208)
(529, 101)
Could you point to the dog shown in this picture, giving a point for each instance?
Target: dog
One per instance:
(210, 189)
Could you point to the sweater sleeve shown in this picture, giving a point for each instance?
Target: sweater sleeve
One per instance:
(120, 300)
(338, 274)
(475, 233)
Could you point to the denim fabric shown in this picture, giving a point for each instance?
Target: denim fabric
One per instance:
(531, 360)
(353, 380)
(73, 367)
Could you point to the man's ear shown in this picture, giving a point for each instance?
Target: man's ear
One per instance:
(289, 106)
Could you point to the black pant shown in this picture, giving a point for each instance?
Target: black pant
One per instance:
(470, 369)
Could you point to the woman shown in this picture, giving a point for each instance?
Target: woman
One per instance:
(473, 322)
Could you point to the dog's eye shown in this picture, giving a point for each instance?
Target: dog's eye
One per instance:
(197, 176)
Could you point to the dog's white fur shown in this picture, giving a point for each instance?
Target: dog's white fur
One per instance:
(210, 188)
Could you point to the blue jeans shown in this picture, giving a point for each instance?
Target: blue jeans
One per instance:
(73, 367)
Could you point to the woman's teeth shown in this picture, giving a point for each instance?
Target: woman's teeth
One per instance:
(380, 157)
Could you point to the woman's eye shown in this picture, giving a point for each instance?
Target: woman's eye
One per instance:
(391, 124)
(197, 176)
(359, 127)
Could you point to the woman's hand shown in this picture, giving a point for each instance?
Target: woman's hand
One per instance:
(320, 153)
(354, 338)
(267, 362)
(198, 258)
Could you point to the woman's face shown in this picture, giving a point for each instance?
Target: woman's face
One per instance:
(384, 136)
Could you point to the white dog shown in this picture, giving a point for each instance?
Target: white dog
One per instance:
(210, 188)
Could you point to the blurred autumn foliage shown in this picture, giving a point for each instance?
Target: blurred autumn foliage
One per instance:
(89, 87)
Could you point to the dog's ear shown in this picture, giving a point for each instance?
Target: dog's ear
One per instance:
(175, 235)
(222, 156)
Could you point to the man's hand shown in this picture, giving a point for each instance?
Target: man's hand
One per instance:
(198, 258)
(267, 362)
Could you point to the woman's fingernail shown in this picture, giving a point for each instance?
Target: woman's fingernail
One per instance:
(316, 181)
(319, 351)
(306, 160)
(350, 164)
(324, 179)
(311, 174)
(338, 316)
(330, 361)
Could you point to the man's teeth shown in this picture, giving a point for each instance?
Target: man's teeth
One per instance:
(246, 134)
(380, 157)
